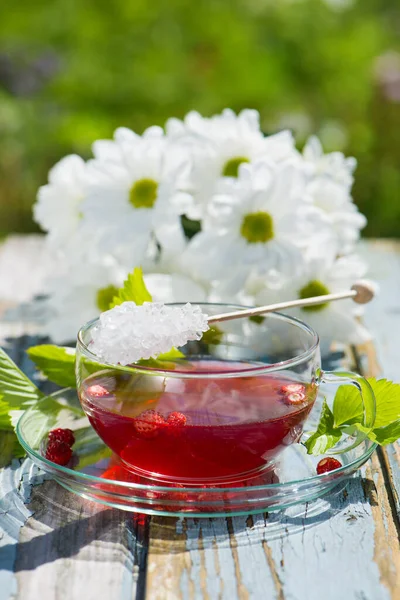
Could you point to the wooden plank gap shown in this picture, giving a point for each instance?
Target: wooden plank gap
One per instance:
(386, 534)
(390, 488)
(242, 592)
(138, 532)
(274, 572)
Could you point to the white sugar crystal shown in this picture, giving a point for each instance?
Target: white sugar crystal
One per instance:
(128, 333)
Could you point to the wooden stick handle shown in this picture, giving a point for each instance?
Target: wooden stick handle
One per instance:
(361, 292)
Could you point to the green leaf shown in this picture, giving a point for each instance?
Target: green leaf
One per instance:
(163, 361)
(348, 413)
(9, 445)
(387, 423)
(5, 420)
(16, 390)
(58, 364)
(89, 446)
(55, 362)
(43, 417)
(9, 448)
(386, 435)
(212, 336)
(171, 355)
(387, 396)
(326, 435)
(257, 319)
(134, 290)
(347, 405)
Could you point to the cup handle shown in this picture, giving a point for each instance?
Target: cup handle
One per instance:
(367, 398)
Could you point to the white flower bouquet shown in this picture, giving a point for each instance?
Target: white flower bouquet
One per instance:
(212, 210)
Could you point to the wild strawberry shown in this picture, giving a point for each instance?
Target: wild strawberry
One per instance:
(97, 391)
(58, 452)
(292, 388)
(148, 423)
(295, 398)
(328, 464)
(176, 418)
(62, 435)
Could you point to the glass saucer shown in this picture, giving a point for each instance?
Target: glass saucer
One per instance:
(96, 474)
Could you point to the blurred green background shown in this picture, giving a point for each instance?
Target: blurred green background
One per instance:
(71, 71)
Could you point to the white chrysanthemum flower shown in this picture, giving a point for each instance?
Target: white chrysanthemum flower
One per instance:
(174, 287)
(134, 191)
(58, 206)
(79, 296)
(220, 144)
(335, 165)
(112, 150)
(334, 321)
(335, 201)
(260, 219)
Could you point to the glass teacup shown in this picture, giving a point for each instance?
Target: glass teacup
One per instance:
(223, 412)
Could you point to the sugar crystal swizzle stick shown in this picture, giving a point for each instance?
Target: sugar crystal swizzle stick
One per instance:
(128, 333)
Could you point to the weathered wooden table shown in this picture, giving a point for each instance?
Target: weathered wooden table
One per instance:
(54, 545)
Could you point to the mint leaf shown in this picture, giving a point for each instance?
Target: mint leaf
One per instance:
(326, 435)
(55, 362)
(134, 290)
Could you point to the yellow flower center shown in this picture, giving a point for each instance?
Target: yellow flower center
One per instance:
(231, 168)
(143, 193)
(314, 288)
(257, 228)
(105, 296)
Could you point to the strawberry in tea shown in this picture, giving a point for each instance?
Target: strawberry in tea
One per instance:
(214, 427)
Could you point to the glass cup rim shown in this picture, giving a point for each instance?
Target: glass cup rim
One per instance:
(272, 367)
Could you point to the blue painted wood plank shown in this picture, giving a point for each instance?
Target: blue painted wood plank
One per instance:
(15, 487)
(69, 541)
(383, 319)
(343, 545)
(382, 316)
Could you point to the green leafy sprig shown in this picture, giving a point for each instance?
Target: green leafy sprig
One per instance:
(133, 290)
(346, 417)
